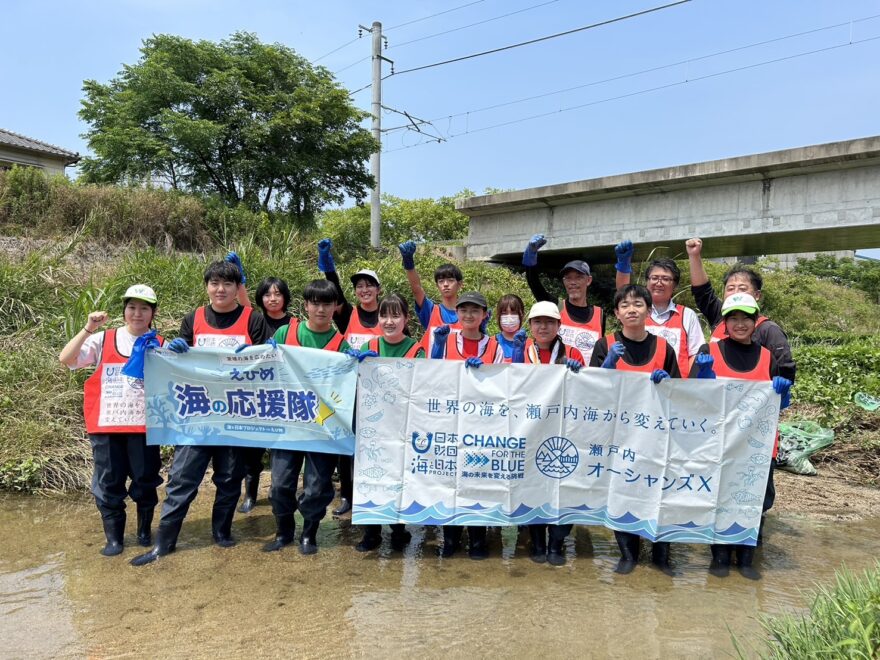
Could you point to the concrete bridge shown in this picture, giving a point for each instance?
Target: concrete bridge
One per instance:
(819, 198)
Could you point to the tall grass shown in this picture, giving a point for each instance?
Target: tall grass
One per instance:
(843, 622)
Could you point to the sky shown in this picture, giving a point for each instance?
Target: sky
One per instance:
(680, 85)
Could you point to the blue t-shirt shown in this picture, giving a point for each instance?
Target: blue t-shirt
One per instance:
(506, 346)
(449, 316)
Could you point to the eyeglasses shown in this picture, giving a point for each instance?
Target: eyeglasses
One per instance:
(664, 279)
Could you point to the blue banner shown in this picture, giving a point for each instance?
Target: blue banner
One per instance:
(277, 398)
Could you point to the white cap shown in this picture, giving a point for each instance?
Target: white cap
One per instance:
(742, 302)
(141, 292)
(544, 308)
(366, 272)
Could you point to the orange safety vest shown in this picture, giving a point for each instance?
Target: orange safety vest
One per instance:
(435, 321)
(675, 335)
(656, 362)
(532, 357)
(357, 334)
(720, 331)
(207, 336)
(113, 403)
(293, 340)
(373, 345)
(761, 372)
(489, 346)
(582, 336)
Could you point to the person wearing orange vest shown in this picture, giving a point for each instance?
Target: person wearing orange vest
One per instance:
(636, 349)
(738, 279)
(431, 315)
(738, 356)
(394, 343)
(677, 324)
(546, 347)
(472, 346)
(115, 417)
(316, 332)
(223, 323)
(581, 324)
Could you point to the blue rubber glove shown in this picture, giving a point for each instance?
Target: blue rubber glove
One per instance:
(530, 254)
(519, 347)
(485, 323)
(704, 364)
(407, 252)
(271, 342)
(178, 345)
(134, 367)
(360, 356)
(624, 252)
(325, 258)
(615, 352)
(234, 259)
(474, 362)
(657, 375)
(573, 365)
(782, 386)
(441, 332)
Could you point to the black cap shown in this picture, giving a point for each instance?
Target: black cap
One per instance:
(474, 298)
(577, 265)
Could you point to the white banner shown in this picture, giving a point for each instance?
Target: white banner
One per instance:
(685, 460)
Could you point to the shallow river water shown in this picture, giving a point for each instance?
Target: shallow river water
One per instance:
(60, 598)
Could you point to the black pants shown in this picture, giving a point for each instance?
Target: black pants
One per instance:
(187, 471)
(253, 461)
(345, 468)
(557, 532)
(770, 493)
(318, 489)
(453, 533)
(117, 458)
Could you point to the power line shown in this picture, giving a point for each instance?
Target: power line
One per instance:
(469, 25)
(539, 39)
(633, 74)
(440, 13)
(648, 90)
(336, 50)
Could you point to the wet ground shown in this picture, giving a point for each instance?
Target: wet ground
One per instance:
(60, 598)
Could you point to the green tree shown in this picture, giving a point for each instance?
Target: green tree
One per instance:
(252, 123)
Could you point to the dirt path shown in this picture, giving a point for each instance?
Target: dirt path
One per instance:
(824, 497)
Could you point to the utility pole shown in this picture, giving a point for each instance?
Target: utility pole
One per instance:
(376, 111)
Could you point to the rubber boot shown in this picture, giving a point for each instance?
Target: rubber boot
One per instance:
(308, 542)
(744, 556)
(400, 538)
(451, 541)
(145, 519)
(166, 542)
(660, 556)
(720, 566)
(538, 536)
(285, 532)
(221, 527)
(372, 538)
(629, 552)
(556, 552)
(477, 546)
(114, 530)
(343, 508)
(251, 488)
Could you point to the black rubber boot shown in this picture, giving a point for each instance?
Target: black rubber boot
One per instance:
(477, 546)
(251, 488)
(400, 538)
(451, 541)
(145, 519)
(744, 556)
(308, 542)
(538, 536)
(343, 508)
(720, 566)
(660, 556)
(372, 538)
(285, 533)
(114, 530)
(629, 552)
(166, 541)
(221, 527)
(556, 552)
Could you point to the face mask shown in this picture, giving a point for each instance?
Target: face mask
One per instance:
(509, 322)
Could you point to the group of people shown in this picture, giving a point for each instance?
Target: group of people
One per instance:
(657, 336)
